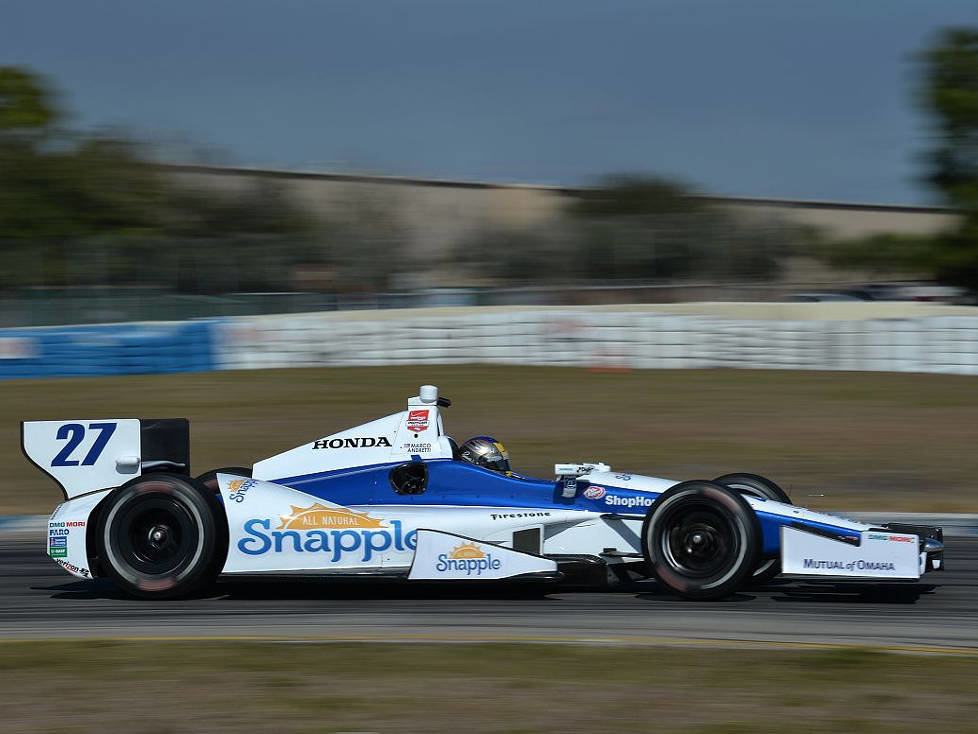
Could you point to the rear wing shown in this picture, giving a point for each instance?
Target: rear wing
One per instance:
(84, 456)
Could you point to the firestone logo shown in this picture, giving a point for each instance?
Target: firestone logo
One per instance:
(336, 532)
(469, 558)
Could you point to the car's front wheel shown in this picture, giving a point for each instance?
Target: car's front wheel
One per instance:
(701, 540)
(161, 536)
(757, 486)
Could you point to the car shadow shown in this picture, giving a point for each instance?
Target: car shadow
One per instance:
(662, 597)
(787, 591)
(387, 589)
(319, 590)
(853, 593)
(91, 589)
(780, 590)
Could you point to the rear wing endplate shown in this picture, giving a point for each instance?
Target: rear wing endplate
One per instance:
(87, 455)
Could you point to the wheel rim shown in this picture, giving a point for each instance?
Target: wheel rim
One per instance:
(698, 541)
(155, 535)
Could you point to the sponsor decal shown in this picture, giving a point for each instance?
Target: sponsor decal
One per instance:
(624, 477)
(73, 568)
(417, 420)
(417, 448)
(892, 538)
(594, 493)
(58, 546)
(239, 488)
(357, 442)
(467, 557)
(617, 500)
(320, 516)
(859, 565)
(517, 515)
(69, 524)
(338, 532)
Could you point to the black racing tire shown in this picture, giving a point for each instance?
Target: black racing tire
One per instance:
(701, 540)
(209, 478)
(754, 484)
(162, 536)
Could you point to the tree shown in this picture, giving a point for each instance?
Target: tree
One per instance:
(650, 228)
(26, 105)
(92, 209)
(950, 94)
(636, 228)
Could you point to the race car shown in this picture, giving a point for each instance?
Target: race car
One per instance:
(396, 497)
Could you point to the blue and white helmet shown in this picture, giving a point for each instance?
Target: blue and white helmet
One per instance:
(485, 451)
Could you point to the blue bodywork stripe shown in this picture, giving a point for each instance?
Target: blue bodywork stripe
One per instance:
(460, 484)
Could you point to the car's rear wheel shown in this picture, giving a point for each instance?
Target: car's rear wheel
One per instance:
(756, 485)
(209, 478)
(162, 536)
(701, 540)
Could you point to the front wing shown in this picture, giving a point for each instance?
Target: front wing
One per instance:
(876, 553)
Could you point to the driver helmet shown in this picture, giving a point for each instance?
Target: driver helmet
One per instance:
(487, 452)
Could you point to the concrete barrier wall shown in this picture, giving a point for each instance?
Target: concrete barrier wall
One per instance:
(599, 338)
(623, 338)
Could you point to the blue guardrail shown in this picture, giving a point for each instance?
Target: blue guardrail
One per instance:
(118, 349)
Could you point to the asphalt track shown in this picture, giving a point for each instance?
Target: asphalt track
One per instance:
(39, 601)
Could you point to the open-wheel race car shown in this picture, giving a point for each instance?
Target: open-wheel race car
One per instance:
(396, 497)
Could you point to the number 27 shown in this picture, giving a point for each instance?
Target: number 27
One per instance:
(74, 433)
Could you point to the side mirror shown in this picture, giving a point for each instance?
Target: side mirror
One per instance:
(409, 478)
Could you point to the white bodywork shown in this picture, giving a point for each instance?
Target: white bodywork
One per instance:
(448, 557)
(417, 431)
(879, 555)
(84, 455)
(67, 528)
(279, 529)
(276, 528)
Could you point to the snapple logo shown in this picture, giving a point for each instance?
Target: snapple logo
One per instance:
(336, 531)
(467, 557)
(239, 488)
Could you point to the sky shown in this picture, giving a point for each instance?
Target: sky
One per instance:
(770, 98)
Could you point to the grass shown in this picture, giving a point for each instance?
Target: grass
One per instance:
(883, 441)
(164, 687)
